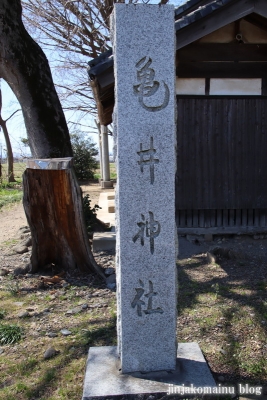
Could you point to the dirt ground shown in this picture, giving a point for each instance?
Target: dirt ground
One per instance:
(13, 217)
(222, 302)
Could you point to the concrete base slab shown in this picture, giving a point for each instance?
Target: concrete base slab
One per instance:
(111, 206)
(106, 184)
(104, 202)
(103, 377)
(104, 241)
(105, 196)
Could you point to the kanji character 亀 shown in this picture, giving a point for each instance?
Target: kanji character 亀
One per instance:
(147, 86)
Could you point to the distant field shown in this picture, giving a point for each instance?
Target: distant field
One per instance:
(113, 173)
(19, 168)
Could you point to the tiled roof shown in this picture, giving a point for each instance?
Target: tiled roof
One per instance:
(185, 15)
(194, 10)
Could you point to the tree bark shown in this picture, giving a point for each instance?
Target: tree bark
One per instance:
(10, 160)
(25, 68)
(58, 234)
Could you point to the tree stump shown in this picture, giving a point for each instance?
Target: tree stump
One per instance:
(53, 205)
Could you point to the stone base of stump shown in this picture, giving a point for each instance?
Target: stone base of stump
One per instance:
(103, 378)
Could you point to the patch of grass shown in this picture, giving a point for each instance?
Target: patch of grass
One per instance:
(13, 287)
(98, 335)
(21, 387)
(11, 192)
(256, 368)
(2, 314)
(49, 375)
(27, 366)
(10, 242)
(10, 333)
(9, 196)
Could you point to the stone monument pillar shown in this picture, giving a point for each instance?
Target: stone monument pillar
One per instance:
(144, 66)
(145, 143)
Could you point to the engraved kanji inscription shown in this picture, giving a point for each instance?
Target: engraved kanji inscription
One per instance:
(138, 303)
(147, 86)
(148, 228)
(147, 158)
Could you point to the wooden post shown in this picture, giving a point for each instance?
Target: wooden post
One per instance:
(53, 205)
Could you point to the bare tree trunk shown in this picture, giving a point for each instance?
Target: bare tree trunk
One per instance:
(10, 160)
(25, 68)
(10, 173)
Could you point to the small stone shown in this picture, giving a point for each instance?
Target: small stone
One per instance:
(211, 258)
(29, 275)
(51, 334)
(109, 271)
(18, 271)
(18, 303)
(111, 286)
(51, 352)
(65, 284)
(23, 228)
(20, 249)
(84, 306)
(76, 310)
(27, 242)
(23, 314)
(222, 351)
(24, 236)
(194, 239)
(111, 279)
(65, 332)
(4, 271)
(208, 237)
(69, 312)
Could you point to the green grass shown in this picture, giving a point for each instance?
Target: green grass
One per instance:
(11, 192)
(10, 333)
(8, 196)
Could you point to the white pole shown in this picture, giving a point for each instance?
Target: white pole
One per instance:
(100, 147)
(105, 153)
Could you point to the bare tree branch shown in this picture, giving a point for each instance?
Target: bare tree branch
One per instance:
(12, 114)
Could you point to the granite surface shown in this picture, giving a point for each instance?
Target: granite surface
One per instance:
(144, 64)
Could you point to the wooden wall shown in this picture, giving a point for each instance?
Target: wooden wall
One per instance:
(221, 161)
